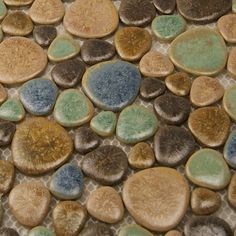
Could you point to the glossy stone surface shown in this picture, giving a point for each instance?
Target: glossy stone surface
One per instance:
(8, 232)
(51, 149)
(107, 165)
(132, 43)
(209, 125)
(20, 51)
(103, 22)
(3, 94)
(229, 102)
(7, 176)
(165, 7)
(135, 124)
(7, 130)
(165, 206)
(29, 203)
(230, 149)
(97, 229)
(173, 233)
(105, 204)
(17, 3)
(39, 96)
(3, 10)
(173, 145)
(112, 85)
(40, 231)
(73, 108)
(207, 168)
(134, 230)
(231, 65)
(210, 60)
(232, 191)
(155, 64)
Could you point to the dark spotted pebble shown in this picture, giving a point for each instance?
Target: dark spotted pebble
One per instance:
(97, 229)
(165, 6)
(7, 130)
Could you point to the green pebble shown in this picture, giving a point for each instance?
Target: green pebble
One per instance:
(207, 168)
(73, 108)
(3, 9)
(136, 124)
(40, 231)
(134, 230)
(12, 110)
(229, 102)
(168, 27)
(63, 47)
(104, 123)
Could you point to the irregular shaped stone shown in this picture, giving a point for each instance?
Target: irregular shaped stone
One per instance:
(232, 191)
(207, 168)
(40, 231)
(212, 57)
(103, 21)
(97, 229)
(112, 85)
(68, 218)
(155, 64)
(165, 7)
(29, 203)
(172, 109)
(28, 59)
(209, 125)
(39, 96)
(173, 145)
(229, 102)
(73, 108)
(134, 230)
(3, 94)
(7, 176)
(104, 123)
(165, 206)
(105, 204)
(206, 91)
(132, 43)
(136, 124)
(8, 232)
(230, 150)
(40, 145)
(7, 130)
(18, 3)
(173, 233)
(231, 65)
(3, 10)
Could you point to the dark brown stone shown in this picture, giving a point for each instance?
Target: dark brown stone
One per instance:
(165, 6)
(8, 232)
(7, 130)
(97, 229)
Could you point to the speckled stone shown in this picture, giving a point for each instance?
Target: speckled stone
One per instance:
(132, 43)
(206, 91)
(209, 125)
(7, 130)
(165, 7)
(39, 96)
(112, 85)
(136, 12)
(133, 230)
(108, 165)
(73, 108)
(94, 51)
(104, 123)
(68, 218)
(20, 51)
(40, 231)
(3, 10)
(103, 21)
(7, 176)
(135, 124)
(165, 206)
(40, 145)
(210, 60)
(207, 168)
(179, 83)
(155, 64)
(173, 145)
(8, 232)
(230, 150)
(97, 229)
(231, 65)
(232, 191)
(29, 203)
(229, 102)
(173, 233)
(3, 94)
(105, 204)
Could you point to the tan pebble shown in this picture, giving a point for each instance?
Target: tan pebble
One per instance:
(17, 3)
(3, 94)
(7, 174)
(173, 233)
(231, 65)
(232, 191)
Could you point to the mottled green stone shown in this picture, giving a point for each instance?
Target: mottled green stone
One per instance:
(234, 6)
(104, 123)
(40, 231)
(12, 110)
(136, 124)
(207, 168)
(3, 10)
(168, 27)
(134, 230)
(199, 51)
(73, 108)
(229, 102)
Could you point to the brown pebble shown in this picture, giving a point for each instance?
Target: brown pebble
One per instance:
(232, 191)
(3, 94)
(164, 6)
(7, 175)
(7, 130)
(17, 3)
(173, 233)
(231, 65)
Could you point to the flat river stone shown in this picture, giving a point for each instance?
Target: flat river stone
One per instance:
(165, 7)
(165, 206)
(230, 149)
(7, 176)
(8, 232)
(7, 130)
(40, 231)
(97, 229)
(229, 102)
(3, 9)
(199, 51)
(40, 145)
(112, 85)
(231, 65)
(232, 191)
(135, 230)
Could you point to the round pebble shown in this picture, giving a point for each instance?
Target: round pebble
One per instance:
(97, 229)
(230, 150)
(229, 101)
(3, 94)
(7, 130)
(132, 229)
(3, 10)
(8, 232)
(40, 145)
(18, 3)
(165, 7)
(40, 231)
(232, 191)
(7, 176)
(173, 233)
(231, 65)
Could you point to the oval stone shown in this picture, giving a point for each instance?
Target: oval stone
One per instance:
(229, 102)
(112, 85)
(40, 145)
(165, 7)
(231, 65)
(230, 149)
(3, 10)
(40, 231)
(232, 191)
(3, 94)
(7, 176)
(209, 60)
(134, 230)
(165, 206)
(97, 229)
(7, 130)
(207, 168)
(8, 232)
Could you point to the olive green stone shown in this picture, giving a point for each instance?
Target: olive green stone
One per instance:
(207, 168)
(104, 123)
(199, 51)
(3, 10)
(40, 231)
(234, 6)
(229, 102)
(134, 230)
(136, 124)
(73, 108)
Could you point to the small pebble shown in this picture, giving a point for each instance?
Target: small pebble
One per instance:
(40, 231)
(8, 232)
(230, 149)
(18, 3)
(231, 65)
(105, 204)
(3, 94)
(232, 191)
(3, 10)
(97, 229)
(135, 230)
(7, 176)
(229, 102)
(173, 233)
(165, 7)
(7, 130)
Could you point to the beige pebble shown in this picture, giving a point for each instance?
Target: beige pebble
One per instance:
(17, 3)
(3, 94)
(7, 175)
(231, 65)
(232, 191)
(173, 233)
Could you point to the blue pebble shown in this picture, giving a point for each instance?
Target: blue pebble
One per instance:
(39, 96)
(67, 182)
(230, 149)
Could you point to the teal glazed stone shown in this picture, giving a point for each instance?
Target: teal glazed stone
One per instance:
(136, 124)
(199, 51)
(134, 230)
(168, 27)
(112, 85)
(104, 123)
(230, 149)
(229, 102)
(3, 9)
(67, 182)
(39, 96)
(40, 231)
(12, 110)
